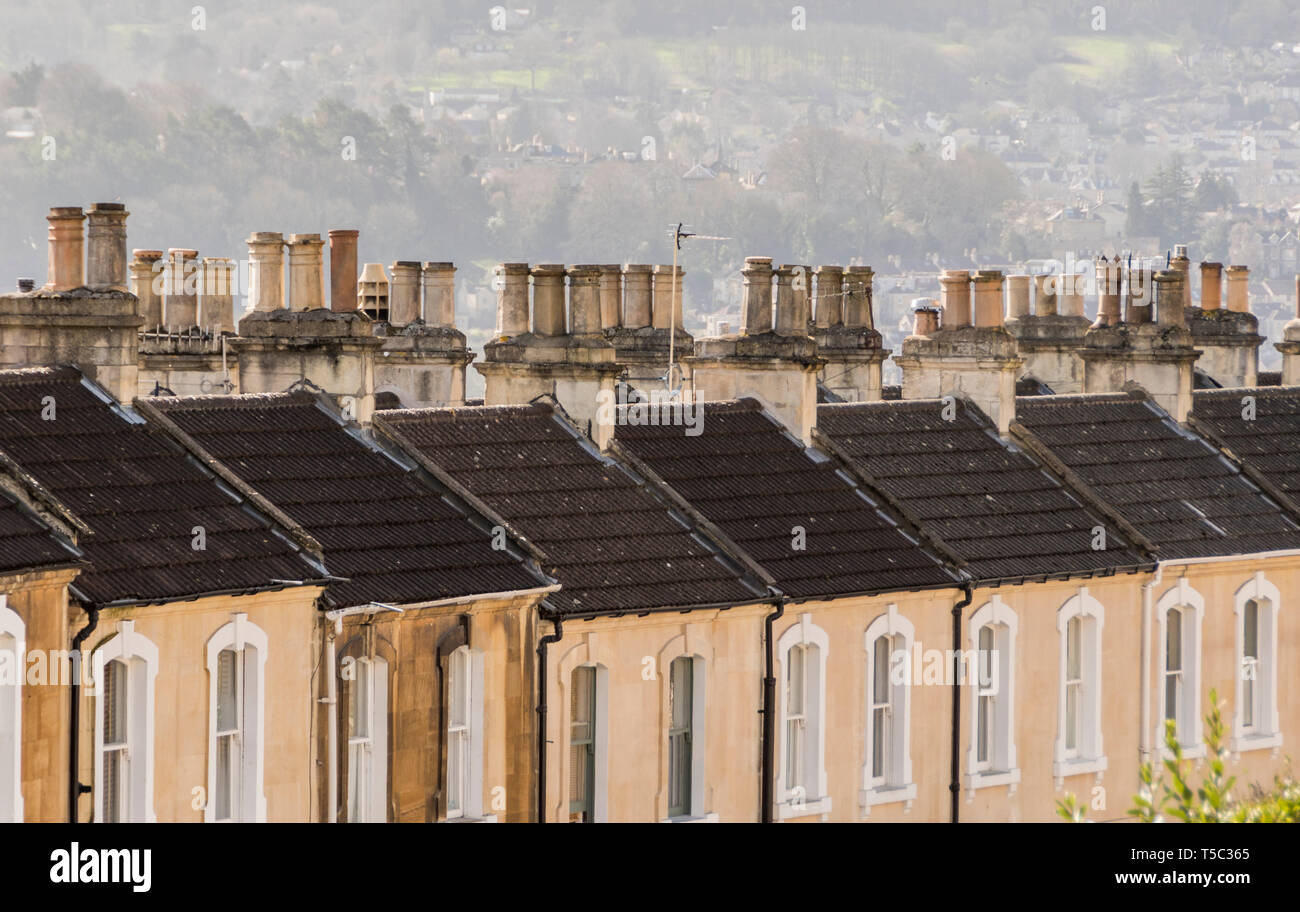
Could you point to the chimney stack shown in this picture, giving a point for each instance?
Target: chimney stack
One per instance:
(67, 248)
(1180, 262)
(404, 292)
(1211, 286)
(216, 289)
(372, 292)
(548, 300)
(954, 298)
(1290, 346)
(636, 290)
(1017, 297)
(266, 270)
(146, 279)
(306, 272)
(1069, 301)
(106, 246)
(988, 298)
(756, 299)
(1238, 289)
(1169, 298)
(1045, 295)
(511, 281)
(830, 296)
(857, 297)
(343, 269)
(925, 317)
(611, 296)
(1108, 292)
(180, 291)
(439, 280)
(584, 300)
(1140, 292)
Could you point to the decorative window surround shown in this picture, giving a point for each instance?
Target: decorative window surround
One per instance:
(140, 656)
(240, 634)
(896, 785)
(1089, 756)
(12, 637)
(996, 613)
(1192, 603)
(1266, 734)
(789, 805)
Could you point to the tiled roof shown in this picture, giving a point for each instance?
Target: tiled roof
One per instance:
(610, 543)
(26, 542)
(1171, 484)
(390, 533)
(982, 496)
(1269, 442)
(139, 494)
(759, 485)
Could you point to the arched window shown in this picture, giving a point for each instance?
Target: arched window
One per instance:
(802, 651)
(887, 773)
(1179, 612)
(368, 741)
(1078, 735)
(991, 759)
(125, 666)
(12, 667)
(236, 699)
(1256, 723)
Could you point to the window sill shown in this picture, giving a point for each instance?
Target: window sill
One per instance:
(786, 811)
(1061, 769)
(1190, 752)
(887, 794)
(491, 818)
(1010, 778)
(1246, 743)
(686, 818)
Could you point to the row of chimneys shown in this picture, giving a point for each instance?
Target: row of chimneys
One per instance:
(1061, 295)
(842, 296)
(599, 297)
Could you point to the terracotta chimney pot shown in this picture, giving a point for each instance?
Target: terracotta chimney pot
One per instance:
(343, 269)
(106, 246)
(66, 248)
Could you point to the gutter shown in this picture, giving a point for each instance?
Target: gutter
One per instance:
(75, 788)
(954, 786)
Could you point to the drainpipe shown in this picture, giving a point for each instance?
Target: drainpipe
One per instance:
(541, 713)
(1144, 721)
(75, 788)
(955, 785)
(332, 720)
(769, 717)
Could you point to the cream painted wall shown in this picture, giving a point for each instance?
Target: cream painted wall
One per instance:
(180, 631)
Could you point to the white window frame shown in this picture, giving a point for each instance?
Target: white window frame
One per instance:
(472, 800)
(698, 811)
(1089, 756)
(600, 741)
(240, 634)
(140, 656)
(897, 784)
(1266, 733)
(999, 615)
(373, 745)
(804, 633)
(1192, 605)
(11, 691)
